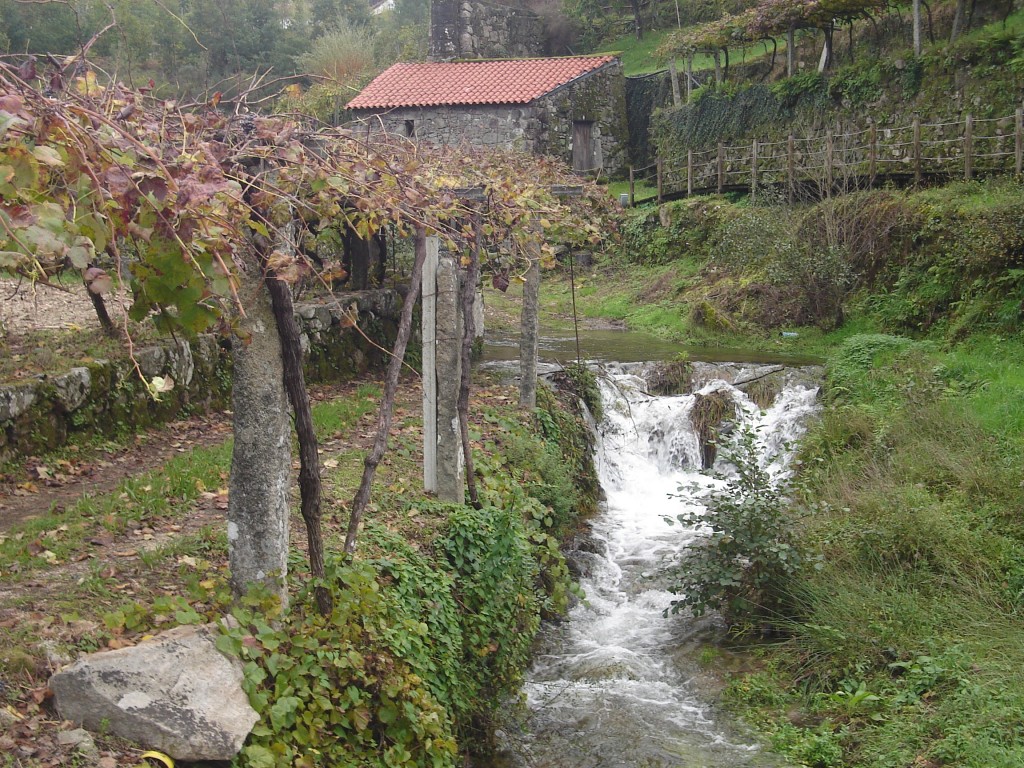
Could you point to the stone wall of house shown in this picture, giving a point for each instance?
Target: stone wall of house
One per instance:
(468, 29)
(499, 126)
(600, 98)
(108, 397)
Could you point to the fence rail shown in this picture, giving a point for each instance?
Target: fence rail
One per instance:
(835, 161)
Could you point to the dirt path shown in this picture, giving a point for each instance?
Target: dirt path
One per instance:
(45, 484)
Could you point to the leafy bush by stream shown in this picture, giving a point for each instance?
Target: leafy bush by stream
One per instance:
(946, 261)
(745, 567)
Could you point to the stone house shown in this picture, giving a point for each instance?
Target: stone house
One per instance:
(573, 107)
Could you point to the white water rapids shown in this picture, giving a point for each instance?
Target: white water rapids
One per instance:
(617, 684)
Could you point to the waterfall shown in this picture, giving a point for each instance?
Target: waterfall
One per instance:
(616, 684)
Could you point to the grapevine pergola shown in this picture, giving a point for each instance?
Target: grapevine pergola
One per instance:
(200, 217)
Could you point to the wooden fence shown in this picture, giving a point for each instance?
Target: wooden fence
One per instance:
(830, 162)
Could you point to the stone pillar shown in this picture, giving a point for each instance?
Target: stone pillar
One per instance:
(445, 30)
(450, 463)
(429, 334)
(261, 458)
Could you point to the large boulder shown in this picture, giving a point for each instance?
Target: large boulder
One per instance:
(176, 693)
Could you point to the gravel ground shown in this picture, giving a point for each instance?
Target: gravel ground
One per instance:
(26, 307)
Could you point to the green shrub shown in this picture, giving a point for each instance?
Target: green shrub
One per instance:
(495, 577)
(414, 656)
(745, 566)
(332, 690)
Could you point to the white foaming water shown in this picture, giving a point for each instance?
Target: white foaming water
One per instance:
(615, 684)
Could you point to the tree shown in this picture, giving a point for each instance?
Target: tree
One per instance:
(714, 37)
(776, 17)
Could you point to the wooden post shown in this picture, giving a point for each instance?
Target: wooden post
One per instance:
(873, 155)
(969, 147)
(529, 325)
(429, 335)
(790, 166)
(673, 75)
(721, 167)
(917, 149)
(1019, 141)
(829, 152)
(661, 177)
(689, 76)
(632, 187)
(689, 173)
(753, 171)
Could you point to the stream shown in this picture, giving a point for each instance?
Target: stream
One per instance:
(617, 684)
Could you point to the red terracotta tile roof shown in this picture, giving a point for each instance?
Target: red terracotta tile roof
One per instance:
(517, 81)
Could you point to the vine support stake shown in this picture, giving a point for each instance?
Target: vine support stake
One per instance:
(468, 300)
(429, 335)
(829, 159)
(790, 167)
(753, 171)
(529, 324)
(721, 167)
(673, 74)
(969, 147)
(689, 173)
(632, 187)
(451, 482)
(575, 317)
(1018, 135)
(872, 155)
(917, 150)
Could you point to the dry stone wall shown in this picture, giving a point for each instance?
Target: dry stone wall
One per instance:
(494, 126)
(107, 396)
(600, 99)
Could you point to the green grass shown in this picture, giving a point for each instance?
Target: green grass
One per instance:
(335, 417)
(908, 646)
(163, 494)
(639, 56)
(641, 190)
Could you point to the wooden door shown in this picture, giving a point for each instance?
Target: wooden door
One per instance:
(582, 146)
